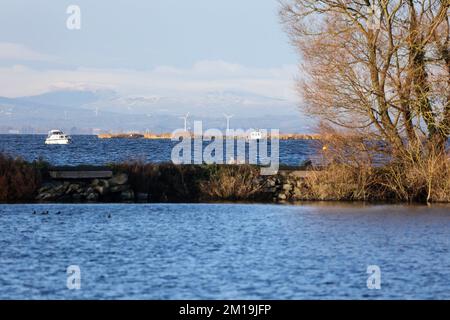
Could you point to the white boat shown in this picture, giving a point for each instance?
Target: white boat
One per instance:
(57, 137)
(255, 135)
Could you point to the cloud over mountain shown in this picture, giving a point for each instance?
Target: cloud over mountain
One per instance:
(202, 77)
(19, 52)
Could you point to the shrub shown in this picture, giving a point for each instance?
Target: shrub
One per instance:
(341, 182)
(230, 182)
(167, 182)
(419, 173)
(19, 180)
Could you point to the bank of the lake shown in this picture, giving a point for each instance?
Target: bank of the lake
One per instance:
(38, 181)
(137, 182)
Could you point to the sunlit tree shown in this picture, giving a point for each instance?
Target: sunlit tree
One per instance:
(381, 67)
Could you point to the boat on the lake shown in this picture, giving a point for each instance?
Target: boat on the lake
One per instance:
(57, 137)
(255, 135)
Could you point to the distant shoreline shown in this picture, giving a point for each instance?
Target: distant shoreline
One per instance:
(168, 136)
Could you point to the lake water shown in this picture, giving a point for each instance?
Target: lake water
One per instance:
(224, 251)
(95, 151)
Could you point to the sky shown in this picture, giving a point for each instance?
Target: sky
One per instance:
(146, 47)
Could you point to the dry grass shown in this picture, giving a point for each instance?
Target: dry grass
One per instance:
(341, 182)
(191, 183)
(426, 182)
(419, 173)
(19, 180)
(239, 182)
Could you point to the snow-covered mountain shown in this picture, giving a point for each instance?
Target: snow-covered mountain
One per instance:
(207, 105)
(108, 110)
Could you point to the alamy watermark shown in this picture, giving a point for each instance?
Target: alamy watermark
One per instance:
(190, 148)
(73, 22)
(73, 277)
(374, 279)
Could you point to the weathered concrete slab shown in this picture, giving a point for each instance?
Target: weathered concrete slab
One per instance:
(79, 174)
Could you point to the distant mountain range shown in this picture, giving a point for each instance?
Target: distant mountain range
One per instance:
(107, 111)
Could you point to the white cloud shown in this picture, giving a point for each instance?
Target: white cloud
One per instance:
(19, 52)
(202, 77)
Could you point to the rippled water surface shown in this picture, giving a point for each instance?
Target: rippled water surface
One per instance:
(91, 150)
(224, 251)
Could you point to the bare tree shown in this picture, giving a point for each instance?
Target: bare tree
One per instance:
(376, 66)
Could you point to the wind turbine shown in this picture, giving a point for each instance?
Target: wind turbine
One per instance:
(185, 121)
(147, 131)
(228, 117)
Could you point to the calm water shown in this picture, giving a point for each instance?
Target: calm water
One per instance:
(224, 251)
(91, 150)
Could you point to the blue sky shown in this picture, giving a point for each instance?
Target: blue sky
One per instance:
(141, 34)
(146, 47)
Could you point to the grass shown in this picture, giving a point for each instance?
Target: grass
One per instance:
(192, 183)
(232, 183)
(415, 175)
(19, 180)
